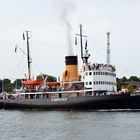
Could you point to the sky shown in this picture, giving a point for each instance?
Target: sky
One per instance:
(53, 25)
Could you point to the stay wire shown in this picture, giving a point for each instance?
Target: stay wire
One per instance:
(103, 48)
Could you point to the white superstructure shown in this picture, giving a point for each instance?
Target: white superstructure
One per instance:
(99, 77)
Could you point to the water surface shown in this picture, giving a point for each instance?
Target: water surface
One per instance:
(69, 125)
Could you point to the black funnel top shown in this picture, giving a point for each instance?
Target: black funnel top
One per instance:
(71, 60)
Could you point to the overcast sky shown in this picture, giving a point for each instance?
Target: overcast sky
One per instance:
(49, 38)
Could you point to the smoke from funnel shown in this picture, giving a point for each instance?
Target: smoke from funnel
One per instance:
(65, 11)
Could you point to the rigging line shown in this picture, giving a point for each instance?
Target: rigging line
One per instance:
(47, 44)
(100, 46)
(125, 69)
(100, 51)
(115, 58)
(18, 63)
(24, 69)
(39, 68)
(21, 69)
(21, 65)
(36, 66)
(37, 58)
(21, 50)
(97, 48)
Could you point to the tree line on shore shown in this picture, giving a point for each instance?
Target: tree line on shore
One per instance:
(121, 81)
(8, 86)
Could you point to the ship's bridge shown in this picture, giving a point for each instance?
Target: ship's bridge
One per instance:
(99, 77)
(96, 66)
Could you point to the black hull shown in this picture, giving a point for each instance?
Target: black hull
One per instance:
(125, 101)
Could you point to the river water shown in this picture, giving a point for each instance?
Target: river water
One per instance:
(69, 125)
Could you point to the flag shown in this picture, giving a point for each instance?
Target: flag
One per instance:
(76, 40)
(86, 44)
(16, 48)
(23, 37)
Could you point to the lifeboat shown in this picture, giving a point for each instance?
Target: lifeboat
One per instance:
(39, 83)
(32, 83)
(51, 84)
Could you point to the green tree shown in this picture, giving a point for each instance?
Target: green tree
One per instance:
(130, 88)
(51, 79)
(120, 82)
(124, 79)
(17, 84)
(134, 78)
(41, 77)
(0, 86)
(48, 79)
(6, 84)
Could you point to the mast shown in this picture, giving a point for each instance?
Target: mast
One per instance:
(108, 48)
(81, 41)
(84, 55)
(28, 54)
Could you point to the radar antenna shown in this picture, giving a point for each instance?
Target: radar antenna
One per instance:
(108, 48)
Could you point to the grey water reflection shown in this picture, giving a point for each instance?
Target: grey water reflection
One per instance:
(69, 125)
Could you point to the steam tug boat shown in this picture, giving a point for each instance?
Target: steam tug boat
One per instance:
(94, 88)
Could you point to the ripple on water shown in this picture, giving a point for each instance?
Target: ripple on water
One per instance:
(69, 125)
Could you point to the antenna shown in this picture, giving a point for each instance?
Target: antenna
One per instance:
(108, 48)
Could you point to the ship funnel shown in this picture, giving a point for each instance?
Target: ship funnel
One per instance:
(71, 69)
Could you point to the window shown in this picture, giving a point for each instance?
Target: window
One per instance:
(90, 73)
(90, 83)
